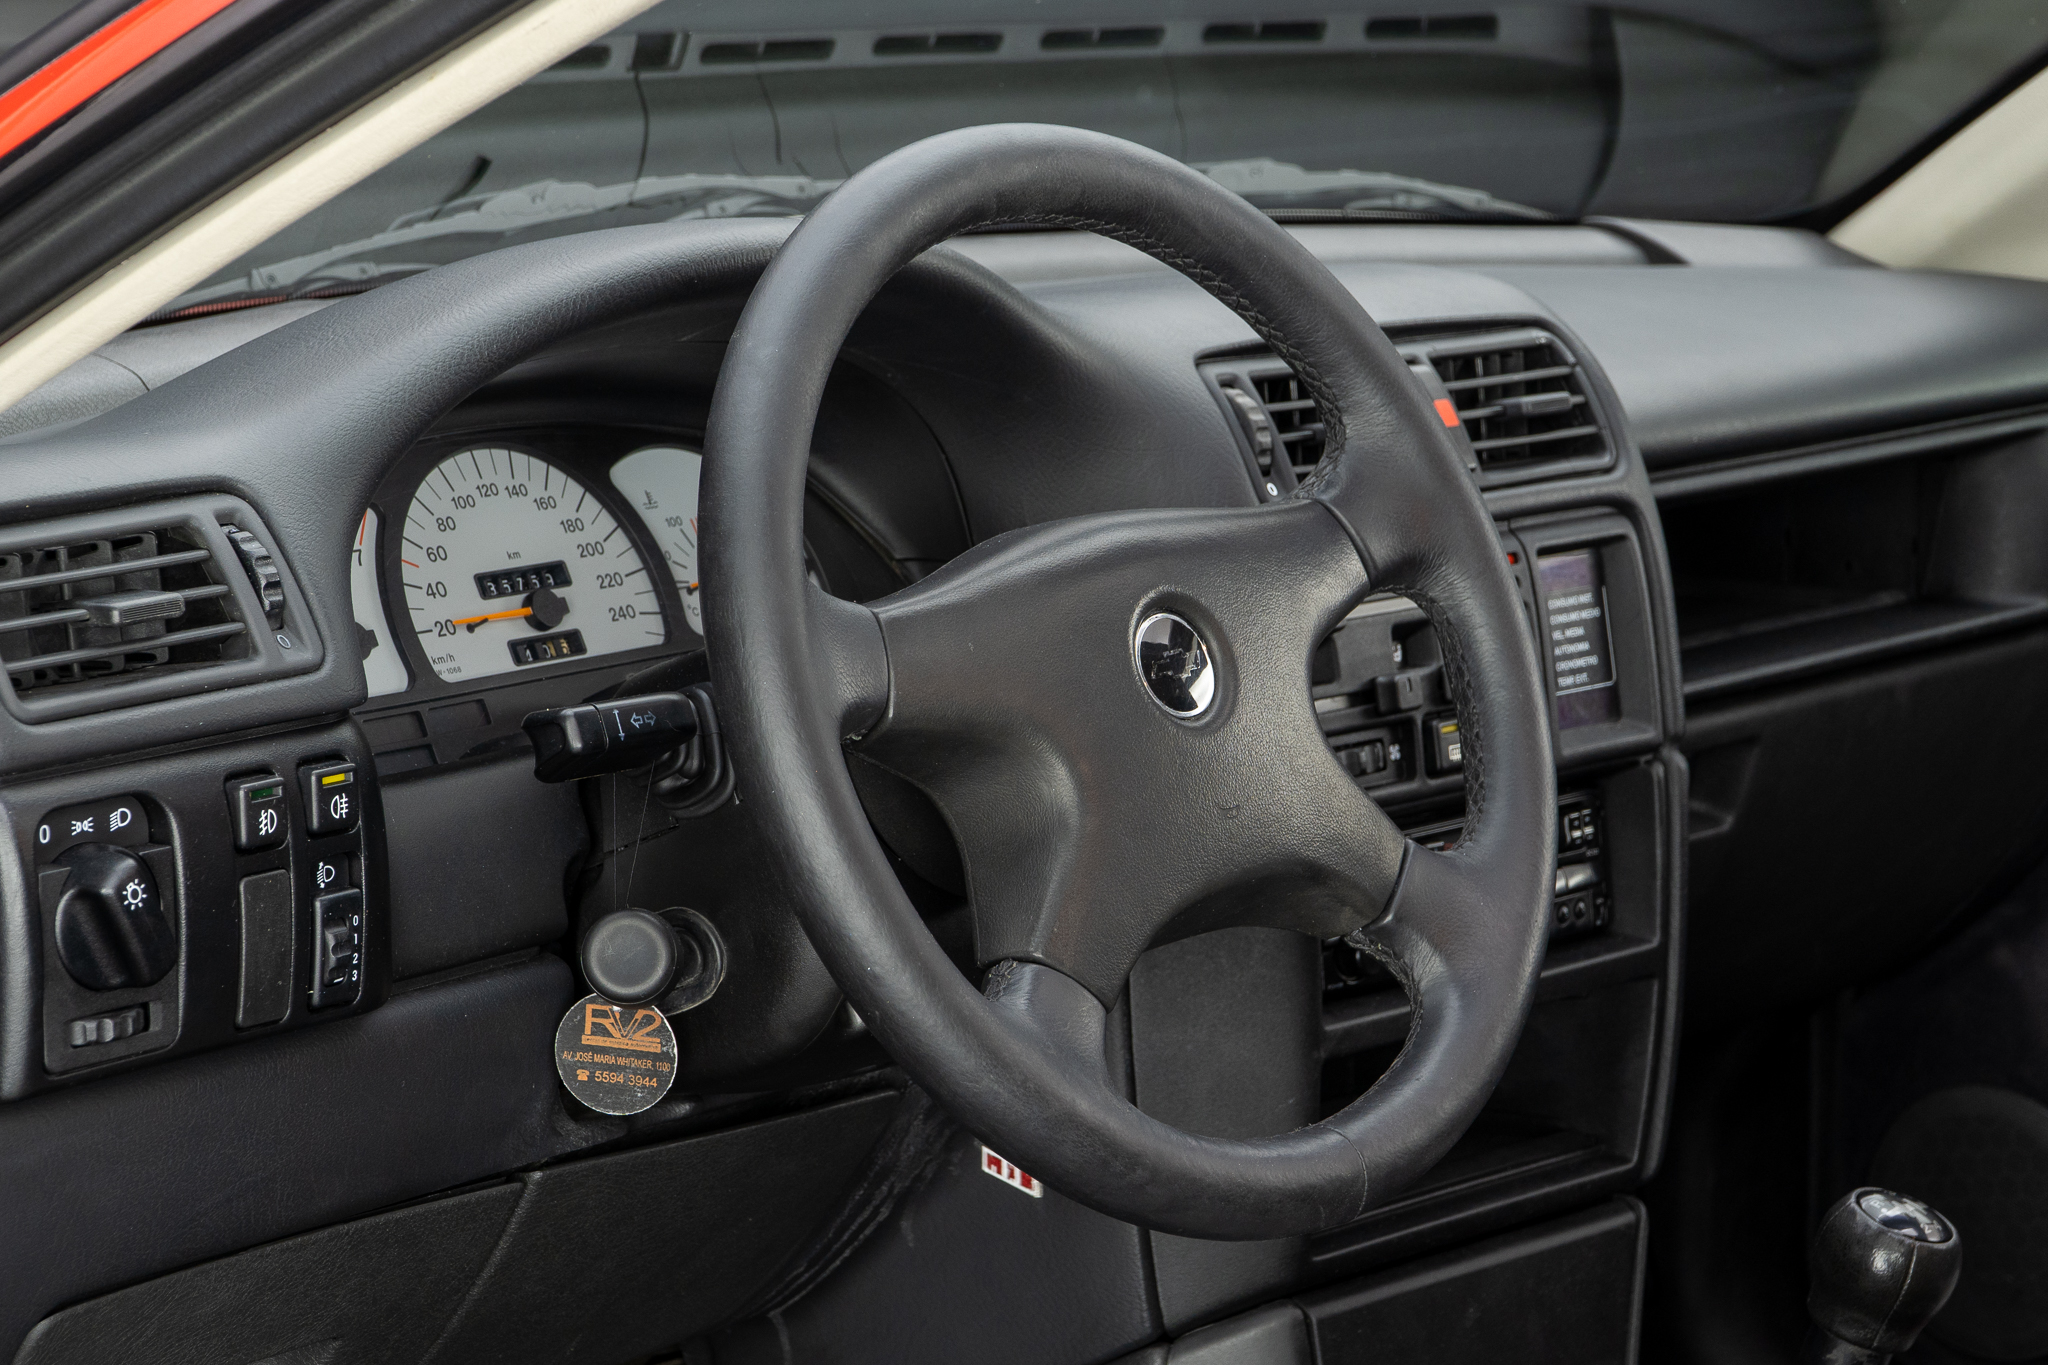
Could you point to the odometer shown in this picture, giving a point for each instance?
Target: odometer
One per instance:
(509, 563)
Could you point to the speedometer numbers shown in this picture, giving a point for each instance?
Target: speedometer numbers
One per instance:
(509, 563)
(661, 483)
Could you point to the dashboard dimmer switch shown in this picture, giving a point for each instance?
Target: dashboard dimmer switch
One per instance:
(337, 949)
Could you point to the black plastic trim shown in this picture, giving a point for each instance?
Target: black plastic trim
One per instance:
(1780, 656)
(1749, 470)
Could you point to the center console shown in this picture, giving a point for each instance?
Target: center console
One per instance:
(1575, 1115)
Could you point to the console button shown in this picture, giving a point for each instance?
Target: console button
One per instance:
(1365, 760)
(1403, 691)
(1575, 877)
(333, 806)
(256, 806)
(1446, 751)
(337, 948)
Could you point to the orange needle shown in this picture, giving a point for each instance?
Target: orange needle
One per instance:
(474, 621)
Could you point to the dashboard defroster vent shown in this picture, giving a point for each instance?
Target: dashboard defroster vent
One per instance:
(112, 609)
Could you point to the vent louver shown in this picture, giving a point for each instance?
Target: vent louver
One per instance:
(1524, 406)
(1296, 425)
(1520, 395)
(95, 611)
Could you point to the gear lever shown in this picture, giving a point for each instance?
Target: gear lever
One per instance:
(1882, 1265)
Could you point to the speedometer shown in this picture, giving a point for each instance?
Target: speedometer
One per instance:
(509, 563)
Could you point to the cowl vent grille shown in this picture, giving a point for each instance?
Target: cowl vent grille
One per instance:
(1520, 395)
(88, 611)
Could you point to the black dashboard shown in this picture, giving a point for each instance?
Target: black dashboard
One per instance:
(1627, 395)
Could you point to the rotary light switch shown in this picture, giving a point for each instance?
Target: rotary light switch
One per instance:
(112, 931)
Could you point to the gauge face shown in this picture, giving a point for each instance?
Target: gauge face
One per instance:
(661, 483)
(382, 667)
(508, 563)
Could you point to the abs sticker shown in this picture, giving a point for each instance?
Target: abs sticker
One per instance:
(618, 1059)
(1007, 1172)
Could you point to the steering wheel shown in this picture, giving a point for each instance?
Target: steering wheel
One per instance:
(1112, 712)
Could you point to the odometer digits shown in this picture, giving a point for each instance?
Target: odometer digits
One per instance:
(517, 582)
(509, 563)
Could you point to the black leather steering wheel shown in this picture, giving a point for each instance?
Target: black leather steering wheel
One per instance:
(1112, 777)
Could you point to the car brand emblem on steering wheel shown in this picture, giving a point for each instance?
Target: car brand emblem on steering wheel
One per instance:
(1175, 664)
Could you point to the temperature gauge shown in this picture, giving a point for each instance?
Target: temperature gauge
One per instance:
(661, 483)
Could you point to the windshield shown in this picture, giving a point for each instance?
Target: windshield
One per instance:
(1722, 110)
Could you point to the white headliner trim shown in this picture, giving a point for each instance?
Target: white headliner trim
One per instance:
(461, 82)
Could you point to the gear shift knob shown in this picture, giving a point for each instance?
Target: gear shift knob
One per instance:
(1882, 1265)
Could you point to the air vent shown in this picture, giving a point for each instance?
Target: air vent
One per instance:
(1521, 397)
(1523, 404)
(112, 609)
(97, 611)
(1296, 424)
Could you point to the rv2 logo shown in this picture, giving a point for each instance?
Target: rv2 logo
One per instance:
(602, 1027)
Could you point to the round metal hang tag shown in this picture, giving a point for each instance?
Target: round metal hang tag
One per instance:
(616, 1059)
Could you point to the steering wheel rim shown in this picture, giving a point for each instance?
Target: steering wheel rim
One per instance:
(987, 686)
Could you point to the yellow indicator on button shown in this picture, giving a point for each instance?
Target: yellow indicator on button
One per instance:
(334, 779)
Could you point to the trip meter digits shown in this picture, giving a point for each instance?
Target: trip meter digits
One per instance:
(509, 563)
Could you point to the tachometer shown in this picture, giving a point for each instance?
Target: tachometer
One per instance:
(509, 563)
(661, 482)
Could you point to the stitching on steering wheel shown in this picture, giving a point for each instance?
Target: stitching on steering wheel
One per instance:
(1458, 679)
(1312, 379)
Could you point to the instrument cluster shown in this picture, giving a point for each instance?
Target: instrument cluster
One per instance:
(494, 557)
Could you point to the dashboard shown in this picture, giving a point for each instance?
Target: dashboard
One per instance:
(528, 540)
